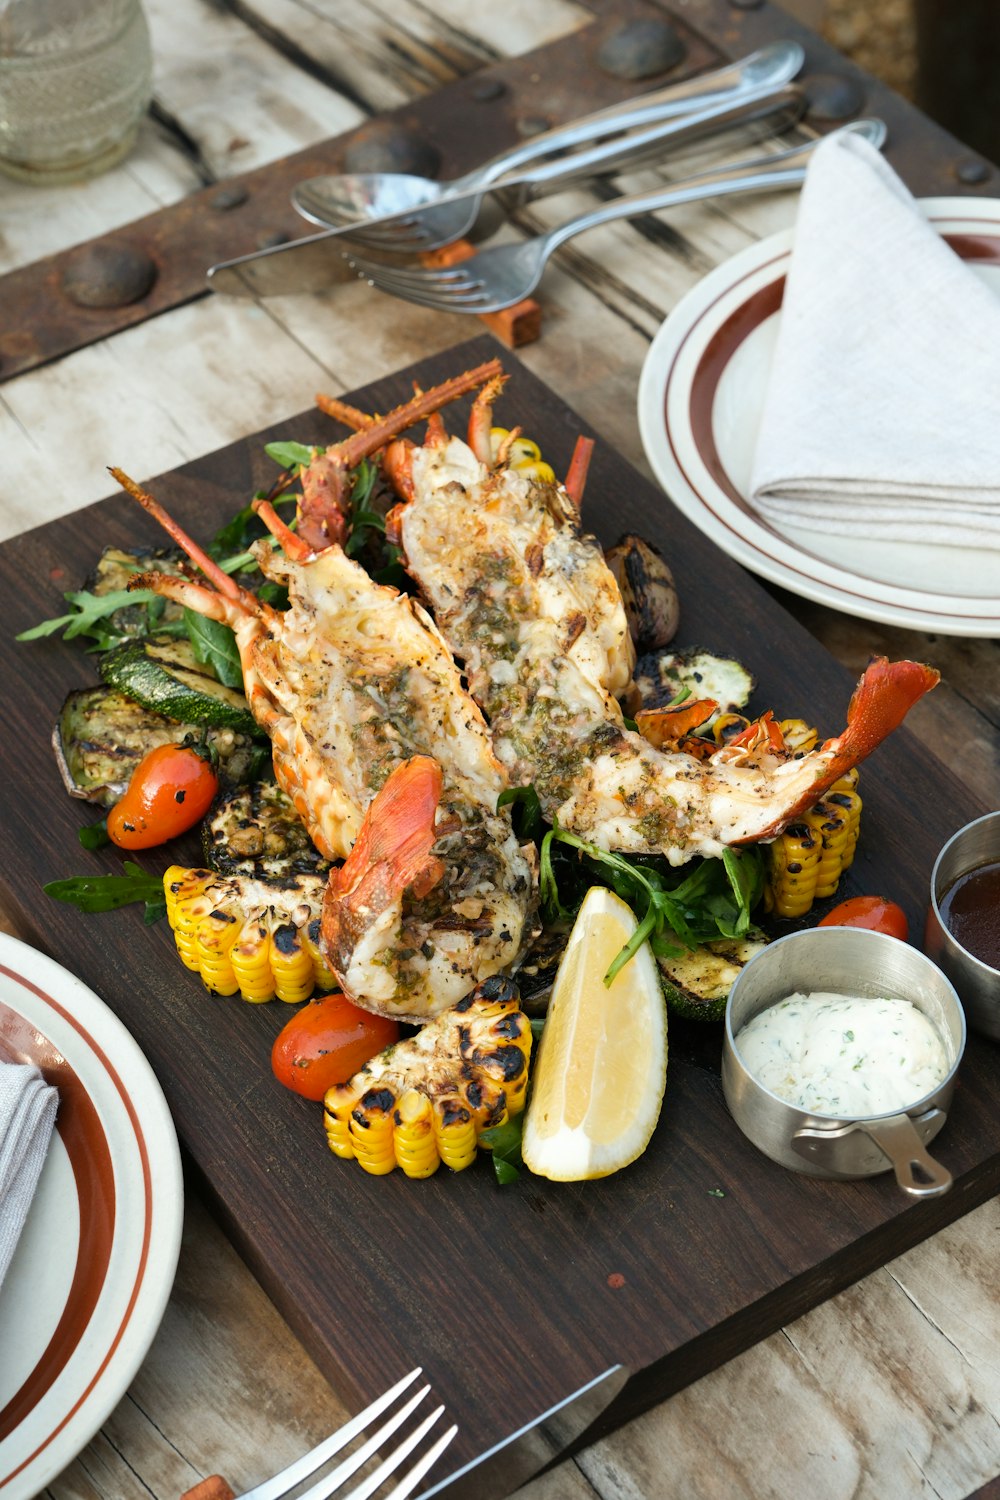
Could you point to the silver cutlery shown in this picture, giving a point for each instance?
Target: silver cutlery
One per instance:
(456, 211)
(445, 211)
(501, 275)
(289, 1479)
(315, 262)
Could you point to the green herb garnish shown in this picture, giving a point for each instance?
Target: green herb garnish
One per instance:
(87, 614)
(700, 903)
(504, 1141)
(525, 812)
(90, 893)
(215, 647)
(290, 455)
(94, 835)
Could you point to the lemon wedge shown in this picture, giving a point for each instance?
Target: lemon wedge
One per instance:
(602, 1064)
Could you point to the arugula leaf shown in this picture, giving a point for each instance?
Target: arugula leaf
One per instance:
(393, 574)
(712, 898)
(290, 455)
(229, 545)
(92, 893)
(215, 646)
(504, 1141)
(526, 812)
(274, 594)
(94, 835)
(89, 609)
(362, 518)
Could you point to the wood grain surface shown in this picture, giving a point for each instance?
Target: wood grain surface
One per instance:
(516, 1297)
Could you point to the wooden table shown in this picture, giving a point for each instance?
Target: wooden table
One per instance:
(888, 1390)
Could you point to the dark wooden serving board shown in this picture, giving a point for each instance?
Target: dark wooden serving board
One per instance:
(511, 1299)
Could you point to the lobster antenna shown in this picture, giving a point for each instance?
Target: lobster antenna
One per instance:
(201, 559)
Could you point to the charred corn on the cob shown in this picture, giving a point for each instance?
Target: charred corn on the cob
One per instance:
(255, 936)
(427, 1099)
(523, 455)
(805, 864)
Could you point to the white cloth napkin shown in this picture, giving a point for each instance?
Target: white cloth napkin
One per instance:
(27, 1115)
(882, 410)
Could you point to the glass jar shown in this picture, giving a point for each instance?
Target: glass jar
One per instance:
(75, 80)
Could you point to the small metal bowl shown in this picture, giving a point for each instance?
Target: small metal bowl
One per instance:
(845, 961)
(976, 844)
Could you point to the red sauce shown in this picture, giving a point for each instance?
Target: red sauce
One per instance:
(970, 909)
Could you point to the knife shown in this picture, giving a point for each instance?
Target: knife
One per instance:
(511, 1463)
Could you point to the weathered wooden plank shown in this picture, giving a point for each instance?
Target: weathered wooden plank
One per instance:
(238, 99)
(139, 401)
(38, 221)
(607, 284)
(889, 1391)
(225, 1388)
(464, 123)
(387, 53)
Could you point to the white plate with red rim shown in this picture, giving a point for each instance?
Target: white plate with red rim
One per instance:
(93, 1269)
(700, 401)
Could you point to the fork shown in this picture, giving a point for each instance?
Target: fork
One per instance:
(282, 1484)
(504, 274)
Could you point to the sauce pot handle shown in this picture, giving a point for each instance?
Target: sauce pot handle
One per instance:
(900, 1139)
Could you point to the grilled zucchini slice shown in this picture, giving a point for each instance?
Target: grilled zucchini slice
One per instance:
(116, 569)
(660, 676)
(101, 736)
(255, 830)
(162, 673)
(697, 982)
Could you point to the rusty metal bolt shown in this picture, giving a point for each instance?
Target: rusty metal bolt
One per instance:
(387, 146)
(231, 196)
(638, 49)
(833, 96)
(528, 125)
(110, 274)
(485, 89)
(971, 170)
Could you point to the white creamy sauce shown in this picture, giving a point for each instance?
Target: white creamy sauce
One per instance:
(844, 1055)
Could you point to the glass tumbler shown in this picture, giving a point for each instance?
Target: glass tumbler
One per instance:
(75, 80)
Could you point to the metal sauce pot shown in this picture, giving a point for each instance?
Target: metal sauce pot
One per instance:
(846, 961)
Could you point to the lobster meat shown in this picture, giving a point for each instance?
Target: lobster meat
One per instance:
(383, 752)
(526, 602)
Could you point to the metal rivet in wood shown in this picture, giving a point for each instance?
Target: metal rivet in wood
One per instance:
(485, 89)
(641, 49)
(228, 197)
(390, 146)
(528, 125)
(971, 170)
(108, 274)
(833, 96)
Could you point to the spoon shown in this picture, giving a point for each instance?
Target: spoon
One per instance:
(423, 221)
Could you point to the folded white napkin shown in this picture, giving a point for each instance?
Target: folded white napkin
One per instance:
(27, 1115)
(881, 411)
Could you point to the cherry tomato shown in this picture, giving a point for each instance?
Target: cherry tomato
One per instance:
(171, 789)
(326, 1042)
(873, 912)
